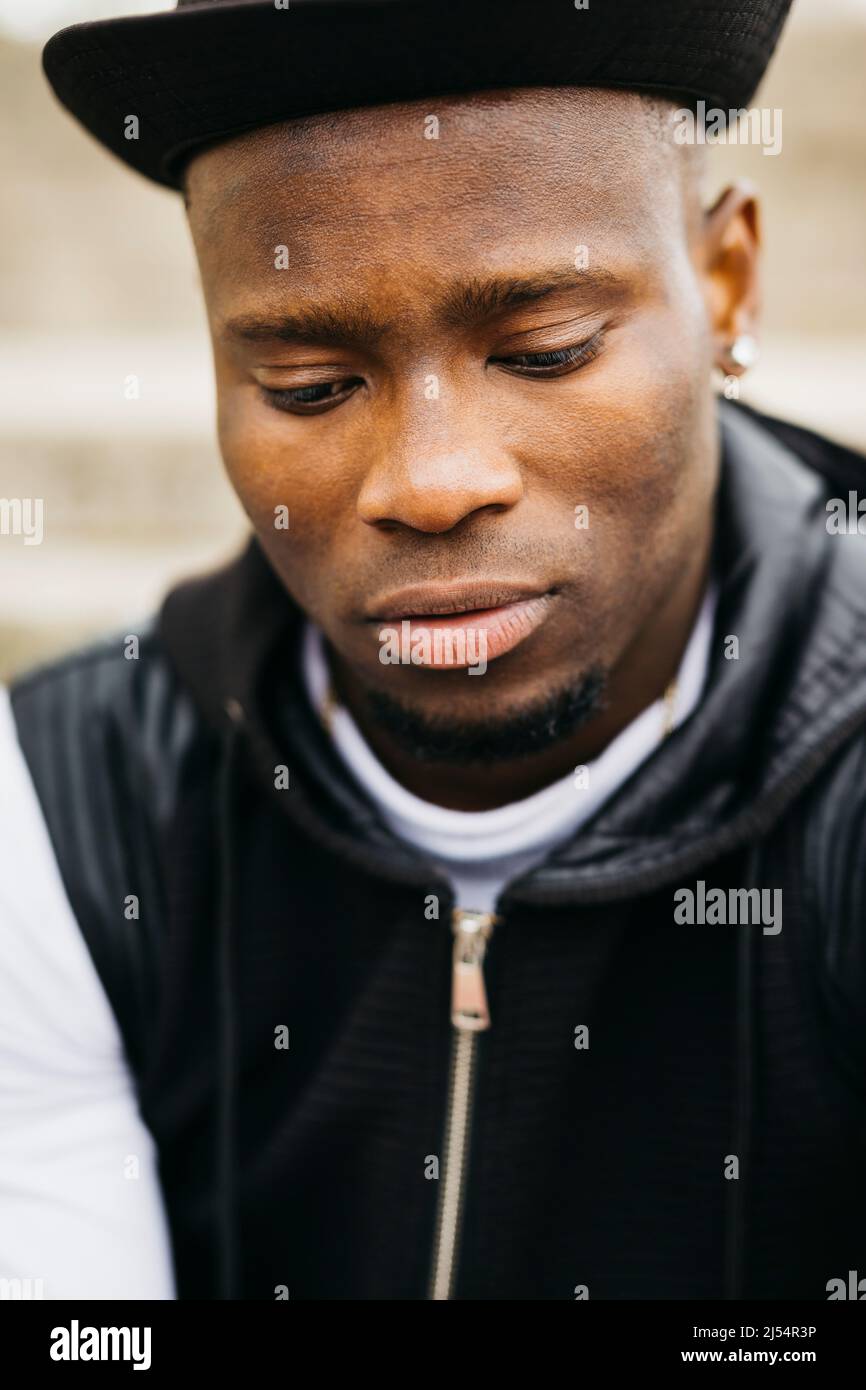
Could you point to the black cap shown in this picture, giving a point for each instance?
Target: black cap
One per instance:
(213, 68)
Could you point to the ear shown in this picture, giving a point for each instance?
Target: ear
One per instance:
(729, 257)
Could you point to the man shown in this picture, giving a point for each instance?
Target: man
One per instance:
(471, 867)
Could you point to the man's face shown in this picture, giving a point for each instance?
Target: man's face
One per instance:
(480, 367)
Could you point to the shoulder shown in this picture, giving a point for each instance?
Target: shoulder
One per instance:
(121, 687)
(108, 735)
(833, 847)
(835, 850)
(108, 721)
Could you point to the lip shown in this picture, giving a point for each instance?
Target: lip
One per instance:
(458, 596)
(462, 637)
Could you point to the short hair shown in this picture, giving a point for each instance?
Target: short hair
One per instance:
(658, 112)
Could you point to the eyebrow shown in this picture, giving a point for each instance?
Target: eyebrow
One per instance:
(463, 305)
(325, 323)
(479, 300)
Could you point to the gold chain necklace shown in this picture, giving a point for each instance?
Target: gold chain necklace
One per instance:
(669, 700)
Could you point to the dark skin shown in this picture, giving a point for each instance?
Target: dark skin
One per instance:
(455, 259)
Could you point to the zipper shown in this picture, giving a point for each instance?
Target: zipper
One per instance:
(470, 1016)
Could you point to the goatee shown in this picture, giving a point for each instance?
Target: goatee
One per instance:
(517, 735)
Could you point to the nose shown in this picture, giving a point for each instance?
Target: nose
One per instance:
(426, 479)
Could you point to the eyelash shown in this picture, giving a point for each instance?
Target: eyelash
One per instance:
(285, 398)
(557, 363)
(569, 358)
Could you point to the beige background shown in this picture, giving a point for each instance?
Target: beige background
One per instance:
(98, 281)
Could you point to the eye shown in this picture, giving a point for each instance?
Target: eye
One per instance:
(310, 400)
(557, 363)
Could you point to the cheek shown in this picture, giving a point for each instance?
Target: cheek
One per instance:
(624, 436)
(274, 466)
(631, 440)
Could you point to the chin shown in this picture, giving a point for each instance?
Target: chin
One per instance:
(466, 735)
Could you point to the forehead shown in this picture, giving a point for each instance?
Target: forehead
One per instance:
(483, 182)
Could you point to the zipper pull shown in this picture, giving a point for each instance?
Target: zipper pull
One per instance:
(472, 930)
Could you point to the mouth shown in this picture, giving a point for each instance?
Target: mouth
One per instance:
(459, 626)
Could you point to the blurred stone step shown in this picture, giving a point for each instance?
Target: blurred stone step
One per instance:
(54, 596)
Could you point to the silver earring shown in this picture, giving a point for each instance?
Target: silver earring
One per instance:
(744, 351)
